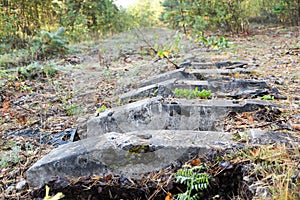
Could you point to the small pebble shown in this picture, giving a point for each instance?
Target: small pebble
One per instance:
(10, 189)
(21, 185)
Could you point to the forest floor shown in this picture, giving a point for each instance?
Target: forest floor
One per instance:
(65, 92)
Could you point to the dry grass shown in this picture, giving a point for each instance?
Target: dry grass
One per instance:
(274, 168)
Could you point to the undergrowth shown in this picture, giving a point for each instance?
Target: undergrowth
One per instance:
(273, 168)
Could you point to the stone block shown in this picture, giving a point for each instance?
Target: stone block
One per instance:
(169, 114)
(129, 154)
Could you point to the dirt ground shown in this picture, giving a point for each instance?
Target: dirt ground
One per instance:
(96, 73)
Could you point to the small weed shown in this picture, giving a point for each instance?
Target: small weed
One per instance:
(25, 88)
(169, 49)
(12, 153)
(155, 92)
(36, 70)
(194, 180)
(72, 109)
(267, 97)
(101, 109)
(50, 70)
(191, 94)
(119, 103)
(213, 42)
(3, 73)
(163, 53)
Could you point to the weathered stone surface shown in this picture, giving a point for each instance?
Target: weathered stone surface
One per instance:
(173, 114)
(21, 185)
(164, 89)
(201, 64)
(161, 88)
(175, 74)
(259, 136)
(129, 154)
(221, 64)
(55, 139)
(198, 72)
(236, 88)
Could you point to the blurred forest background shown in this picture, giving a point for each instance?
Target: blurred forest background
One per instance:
(30, 24)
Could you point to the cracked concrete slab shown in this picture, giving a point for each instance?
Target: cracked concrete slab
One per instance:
(169, 114)
(129, 154)
(232, 88)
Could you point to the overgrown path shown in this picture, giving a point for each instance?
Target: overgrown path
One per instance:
(92, 78)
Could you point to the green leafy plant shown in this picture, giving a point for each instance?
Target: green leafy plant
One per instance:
(11, 157)
(13, 153)
(194, 179)
(267, 97)
(25, 88)
(37, 70)
(72, 109)
(204, 94)
(214, 42)
(101, 109)
(3, 72)
(163, 53)
(49, 44)
(170, 50)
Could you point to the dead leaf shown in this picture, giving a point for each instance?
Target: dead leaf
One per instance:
(169, 196)
(244, 115)
(251, 119)
(17, 86)
(196, 162)
(236, 75)
(296, 126)
(21, 119)
(255, 153)
(108, 177)
(5, 105)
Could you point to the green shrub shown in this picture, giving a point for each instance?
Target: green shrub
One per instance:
(214, 42)
(36, 70)
(49, 44)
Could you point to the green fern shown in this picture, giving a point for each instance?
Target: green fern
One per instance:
(193, 179)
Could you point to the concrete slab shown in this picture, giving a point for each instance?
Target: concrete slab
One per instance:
(235, 88)
(221, 64)
(129, 154)
(193, 74)
(161, 88)
(168, 114)
(198, 72)
(175, 74)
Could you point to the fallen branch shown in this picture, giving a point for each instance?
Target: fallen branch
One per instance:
(140, 36)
